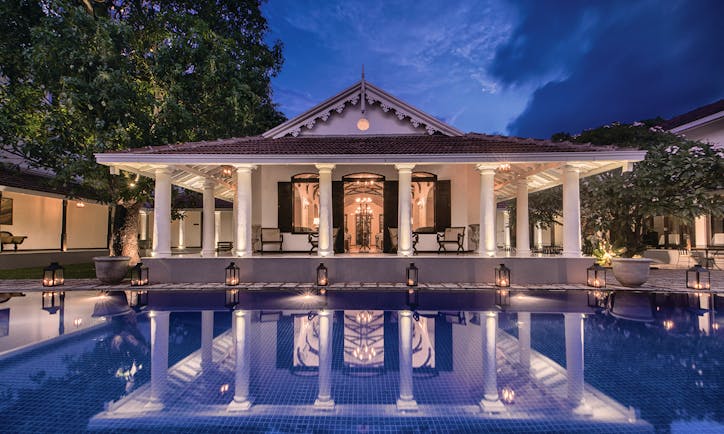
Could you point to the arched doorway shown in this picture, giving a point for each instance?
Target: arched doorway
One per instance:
(363, 212)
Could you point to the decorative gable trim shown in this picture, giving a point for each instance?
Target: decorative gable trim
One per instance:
(351, 97)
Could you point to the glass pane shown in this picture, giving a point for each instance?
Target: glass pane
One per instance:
(423, 205)
(305, 205)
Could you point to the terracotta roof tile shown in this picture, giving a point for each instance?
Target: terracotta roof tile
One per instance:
(471, 143)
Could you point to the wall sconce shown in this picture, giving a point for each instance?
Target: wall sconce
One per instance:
(412, 275)
(80, 204)
(139, 275)
(322, 278)
(232, 275)
(232, 298)
(698, 277)
(502, 276)
(53, 275)
(596, 276)
(52, 301)
(138, 299)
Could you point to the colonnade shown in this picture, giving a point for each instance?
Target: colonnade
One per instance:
(490, 402)
(487, 246)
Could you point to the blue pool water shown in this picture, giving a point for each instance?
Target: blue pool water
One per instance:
(651, 363)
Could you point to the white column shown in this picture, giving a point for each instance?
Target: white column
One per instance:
(571, 212)
(522, 233)
(181, 230)
(487, 244)
(162, 214)
(524, 342)
(207, 339)
(506, 229)
(406, 400)
(326, 242)
(217, 227)
(242, 243)
(159, 359)
(491, 401)
(324, 395)
(242, 321)
(538, 236)
(404, 209)
(700, 225)
(234, 213)
(208, 219)
(142, 225)
(574, 362)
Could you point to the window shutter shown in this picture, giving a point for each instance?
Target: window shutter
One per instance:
(442, 205)
(338, 214)
(284, 206)
(390, 210)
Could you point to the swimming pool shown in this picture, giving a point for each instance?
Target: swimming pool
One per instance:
(649, 362)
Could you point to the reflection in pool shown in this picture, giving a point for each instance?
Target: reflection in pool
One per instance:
(542, 361)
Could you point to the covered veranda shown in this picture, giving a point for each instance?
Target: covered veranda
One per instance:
(483, 170)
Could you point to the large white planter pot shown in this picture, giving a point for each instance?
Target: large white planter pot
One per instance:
(111, 269)
(631, 272)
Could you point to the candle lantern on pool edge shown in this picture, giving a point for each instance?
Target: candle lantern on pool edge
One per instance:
(412, 275)
(139, 275)
(138, 299)
(232, 298)
(596, 276)
(232, 275)
(697, 277)
(502, 276)
(52, 301)
(53, 275)
(322, 277)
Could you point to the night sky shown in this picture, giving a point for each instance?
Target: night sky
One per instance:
(526, 68)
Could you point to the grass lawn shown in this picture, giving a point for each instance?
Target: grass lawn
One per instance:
(72, 271)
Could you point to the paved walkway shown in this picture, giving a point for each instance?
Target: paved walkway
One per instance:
(668, 279)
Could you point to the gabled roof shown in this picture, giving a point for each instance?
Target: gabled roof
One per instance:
(351, 96)
(26, 181)
(471, 147)
(704, 114)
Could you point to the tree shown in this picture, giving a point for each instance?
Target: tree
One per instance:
(678, 177)
(79, 79)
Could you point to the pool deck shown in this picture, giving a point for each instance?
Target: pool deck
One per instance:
(540, 402)
(668, 280)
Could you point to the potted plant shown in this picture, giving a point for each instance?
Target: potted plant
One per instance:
(111, 269)
(629, 268)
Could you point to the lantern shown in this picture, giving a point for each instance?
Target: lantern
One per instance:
(227, 171)
(53, 275)
(412, 275)
(322, 278)
(596, 276)
(232, 298)
(139, 275)
(697, 277)
(52, 301)
(413, 298)
(507, 395)
(138, 299)
(502, 276)
(232, 275)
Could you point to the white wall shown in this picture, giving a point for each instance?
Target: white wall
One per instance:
(37, 217)
(711, 133)
(87, 227)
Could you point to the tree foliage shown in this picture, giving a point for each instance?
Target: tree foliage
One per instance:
(678, 177)
(82, 78)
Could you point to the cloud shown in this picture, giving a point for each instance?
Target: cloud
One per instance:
(592, 63)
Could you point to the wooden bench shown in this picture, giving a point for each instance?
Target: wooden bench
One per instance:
(313, 239)
(8, 238)
(271, 236)
(224, 246)
(454, 236)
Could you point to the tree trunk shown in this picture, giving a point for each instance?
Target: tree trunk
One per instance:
(129, 233)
